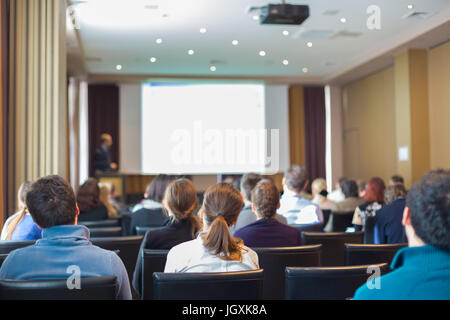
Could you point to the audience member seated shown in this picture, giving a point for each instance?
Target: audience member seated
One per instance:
(88, 199)
(373, 201)
(51, 202)
(215, 249)
(337, 195)
(180, 202)
(388, 220)
(361, 188)
(422, 270)
(267, 231)
(105, 191)
(319, 192)
(21, 226)
(293, 206)
(113, 198)
(396, 179)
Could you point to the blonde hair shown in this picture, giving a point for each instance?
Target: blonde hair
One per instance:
(319, 185)
(105, 191)
(21, 210)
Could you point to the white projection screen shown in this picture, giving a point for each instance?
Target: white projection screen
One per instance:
(204, 128)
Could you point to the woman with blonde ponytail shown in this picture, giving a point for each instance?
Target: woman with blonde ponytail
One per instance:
(20, 226)
(215, 249)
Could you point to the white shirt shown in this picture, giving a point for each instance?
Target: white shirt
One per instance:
(193, 256)
(336, 196)
(299, 210)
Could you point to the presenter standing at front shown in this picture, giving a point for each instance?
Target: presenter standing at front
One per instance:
(102, 159)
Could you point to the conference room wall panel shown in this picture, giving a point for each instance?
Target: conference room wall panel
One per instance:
(3, 109)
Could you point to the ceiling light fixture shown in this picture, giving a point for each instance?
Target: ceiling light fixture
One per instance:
(262, 53)
(234, 42)
(285, 62)
(255, 18)
(119, 67)
(213, 68)
(202, 30)
(159, 41)
(191, 52)
(343, 20)
(309, 44)
(152, 59)
(305, 70)
(285, 33)
(410, 6)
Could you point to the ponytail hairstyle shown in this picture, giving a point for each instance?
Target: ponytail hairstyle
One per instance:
(180, 202)
(221, 207)
(22, 209)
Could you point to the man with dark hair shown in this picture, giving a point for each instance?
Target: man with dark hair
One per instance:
(102, 158)
(396, 179)
(51, 202)
(293, 205)
(421, 271)
(267, 231)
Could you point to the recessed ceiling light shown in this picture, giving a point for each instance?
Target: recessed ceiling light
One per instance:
(212, 68)
(255, 17)
(410, 6)
(234, 42)
(343, 20)
(202, 30)
(285, 62)
(309, 44)
(191, 52)
(305, 70)
(262, 53)
(152, 59)
(119, 67)
(285, 33)
(159, 41)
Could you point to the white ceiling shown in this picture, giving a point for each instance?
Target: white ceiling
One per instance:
(123, 32)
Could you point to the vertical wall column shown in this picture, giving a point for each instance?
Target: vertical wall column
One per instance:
(412, 115)
(297, 125)
(37, 92)
(3, 109)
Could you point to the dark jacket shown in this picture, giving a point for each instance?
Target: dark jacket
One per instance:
(268, 233)
(102, 160)
(148, 218)
(419, 273)
(100, 213)
(388, 223)
(164, 238)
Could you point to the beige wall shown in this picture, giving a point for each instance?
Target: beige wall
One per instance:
(369, 127)
(439, 103)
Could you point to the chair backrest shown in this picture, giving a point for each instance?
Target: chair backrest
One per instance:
(3, 258)
(101, 223)
(326, 216)
(369, 229)
(332, 245)
(141, 231)
(97, 288)
(327, 283)
(342, 221)
(243, 285)
(128, 249)
(361, 254)
(6, 246)
(152, 261)
(274, 262)
(105, 232)
(316, 227)
(148, 218)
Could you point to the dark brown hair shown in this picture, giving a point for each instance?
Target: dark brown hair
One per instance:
(248, 182)
(221, 207)
(265, 198)
(296, 178)
(155, 189)
(180, 199)
(88, 196)
(393, 192)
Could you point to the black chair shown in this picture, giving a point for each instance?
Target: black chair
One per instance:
(243, 285)
(341, 221)
(2, 259)
(316, 227)
(326, 216)
(101, 223)
(152, 261)
(327, 283)
(274, 262)
(362, 254)
(369, 229)
(148, 218)
(6, 246)
(141, 231)
(127, 247)
(105, 232)
(98, 288)
(332, 245)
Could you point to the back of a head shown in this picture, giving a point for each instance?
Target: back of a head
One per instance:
(265, 198)
(88, 196)
(180, 199)
(350, 188)
(51, 202)
(248, 182)
(397, 179)
(22, 209)
(296, 177)
(318, 185)
(375, 190)
(341, 181)
(429, 204)
(22, 194)
(155, 189)
(104, 192)
(394, 192)
(221, 207)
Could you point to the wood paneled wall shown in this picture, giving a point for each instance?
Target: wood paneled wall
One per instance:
(3, 108)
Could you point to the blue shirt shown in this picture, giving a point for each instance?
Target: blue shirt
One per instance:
(59, 248)
(26, 230)
(419, 273)
(268, 233)
(298, 210)
(388, 223)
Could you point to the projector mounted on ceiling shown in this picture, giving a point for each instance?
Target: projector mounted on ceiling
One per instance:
(282, 13)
